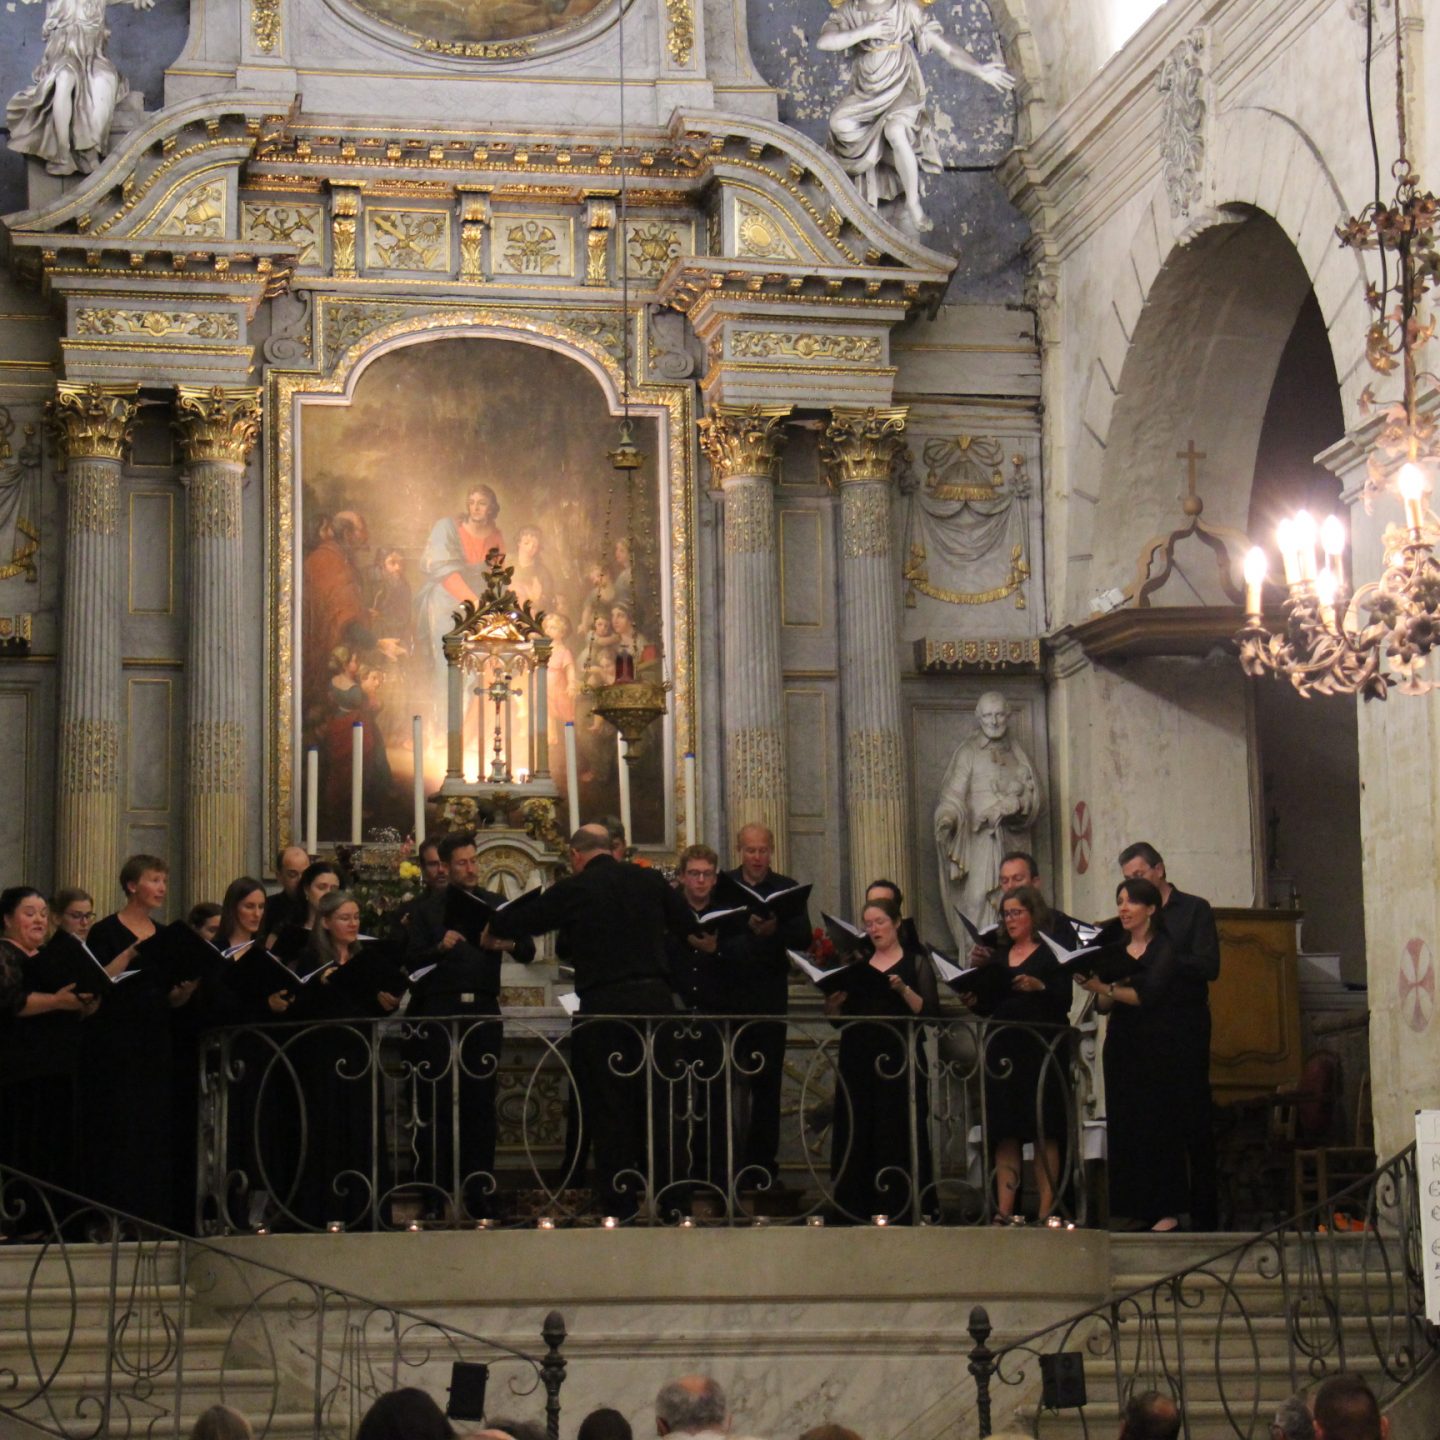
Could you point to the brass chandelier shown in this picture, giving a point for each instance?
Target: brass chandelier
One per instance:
(1333, 640)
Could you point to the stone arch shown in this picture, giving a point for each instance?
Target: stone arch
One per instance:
(1268, 238)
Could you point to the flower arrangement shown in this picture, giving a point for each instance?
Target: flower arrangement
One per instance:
(822, 948)
(383, 878)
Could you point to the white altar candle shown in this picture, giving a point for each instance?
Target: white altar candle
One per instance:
(312, 801)
(692, 800)
(357, 779)
(624, 788)
(417, 732)
(572, 777)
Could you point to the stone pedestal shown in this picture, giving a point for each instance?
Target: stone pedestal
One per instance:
(859, 452)
(742, 444)
(92, 426)
(217, 427)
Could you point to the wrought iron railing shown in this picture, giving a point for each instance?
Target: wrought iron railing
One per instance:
(464, 1121)
(111, 1327)
(1338, 1287)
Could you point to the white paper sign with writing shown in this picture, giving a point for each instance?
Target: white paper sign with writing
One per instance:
(1427, 1178)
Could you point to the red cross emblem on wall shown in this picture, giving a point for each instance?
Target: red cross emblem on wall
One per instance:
(1417, 985)
(1081, 834)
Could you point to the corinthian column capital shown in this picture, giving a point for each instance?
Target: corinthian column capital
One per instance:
(217, 422)
(863, 445)
(743, 440)
(90, 421)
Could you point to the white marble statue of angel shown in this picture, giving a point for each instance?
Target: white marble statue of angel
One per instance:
(881, 131)
(64, 117)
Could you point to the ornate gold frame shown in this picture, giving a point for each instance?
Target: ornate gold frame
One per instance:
(287, 390)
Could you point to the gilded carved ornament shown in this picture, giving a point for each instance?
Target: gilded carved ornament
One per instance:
(824, 345)
(600, 217)
(157, 324)
(862, 445)
(92, 421)
(216, 757)
(874, 765)
(680, 31)
(217, 422)
(865, 521)
(265, 25)
(741, 440)
(756, 762)
(344, 223)
(474, 218)
(89, 756)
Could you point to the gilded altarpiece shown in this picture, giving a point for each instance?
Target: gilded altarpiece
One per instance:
(436, 433)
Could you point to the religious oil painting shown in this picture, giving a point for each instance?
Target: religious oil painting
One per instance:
(460, 22)
(446, 450)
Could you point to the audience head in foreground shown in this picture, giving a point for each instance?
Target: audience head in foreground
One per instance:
(832, 1431)
(220, 1422)
(1345, 1408)
(692, 1405)
(407, 1414)
(1151, 1416)
(604, 1424)
(1292, 1421)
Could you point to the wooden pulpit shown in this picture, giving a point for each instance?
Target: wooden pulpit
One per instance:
(1255, 1005)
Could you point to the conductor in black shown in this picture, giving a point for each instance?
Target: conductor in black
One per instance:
(612, 918)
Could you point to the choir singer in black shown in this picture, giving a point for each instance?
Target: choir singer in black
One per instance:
(612, 919)
(760, 985)
(1189, 922)
(464, 982)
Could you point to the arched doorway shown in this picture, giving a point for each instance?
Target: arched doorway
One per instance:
(1232, 351)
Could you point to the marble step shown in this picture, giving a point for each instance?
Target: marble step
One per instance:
(1268, 1336)
(54, 1307)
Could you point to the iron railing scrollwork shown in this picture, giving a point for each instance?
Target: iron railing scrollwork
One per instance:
(119, 1329)
(379, 1124)
(1338, 1287)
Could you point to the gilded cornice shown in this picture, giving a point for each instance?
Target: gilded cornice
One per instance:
(743, 440)
(91, 421)
(862, 445)
(694, 283)
(217, 422)
(676, 167)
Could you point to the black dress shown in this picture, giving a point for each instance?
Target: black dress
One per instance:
(125, 1087)
(1017, 1059)
(38, 1056)
(1146, 1091)
(871, 1158)
(343, 1174)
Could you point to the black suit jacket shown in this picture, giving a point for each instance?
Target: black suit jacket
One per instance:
(463, 970)
(759, 982)
(613, 919)
(1190, 923)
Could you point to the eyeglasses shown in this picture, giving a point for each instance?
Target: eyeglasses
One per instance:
(83, 917)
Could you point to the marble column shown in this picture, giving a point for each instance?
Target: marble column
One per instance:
(743, 446)
(92, 426)
(217, 427)
(859, 451)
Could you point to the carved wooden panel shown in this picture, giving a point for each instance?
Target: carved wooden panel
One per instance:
(1255, 1005)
